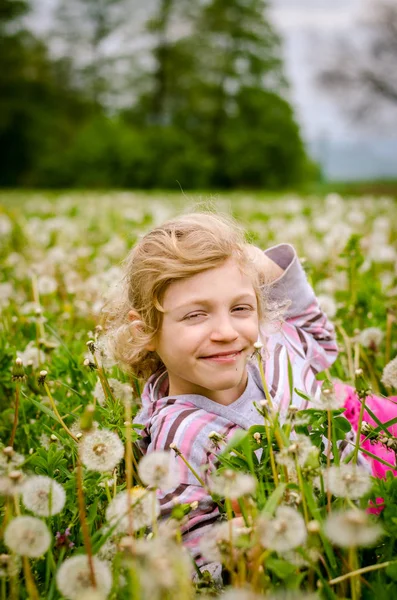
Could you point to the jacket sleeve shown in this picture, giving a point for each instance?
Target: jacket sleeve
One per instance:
(305, 327)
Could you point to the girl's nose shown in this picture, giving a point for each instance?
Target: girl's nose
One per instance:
(223, 330)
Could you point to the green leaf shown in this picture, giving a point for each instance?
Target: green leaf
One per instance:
(280, 567)
(391, 571)
(44, 409)
(274, 499)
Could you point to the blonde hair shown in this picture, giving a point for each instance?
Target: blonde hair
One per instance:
(180, 248)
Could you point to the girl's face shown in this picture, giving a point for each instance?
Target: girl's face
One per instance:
(209, 327)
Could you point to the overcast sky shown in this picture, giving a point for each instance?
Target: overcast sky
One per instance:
(308, 28)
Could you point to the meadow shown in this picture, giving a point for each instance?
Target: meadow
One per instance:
(80, 518)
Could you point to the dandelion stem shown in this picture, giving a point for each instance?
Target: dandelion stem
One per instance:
(371, 371)
(83, 521)
(268, 397)
(346, 339)
(229, 513)
(355, 581)
(300, 479)
(271, 454)
(189, 466)
(54, 408)
(16, 411)
(264, 382)
(30, 584)
(329, 457)
(356, 356)
(390, 319)
(108, 496)
(361, 571)
(128, 462)
(358, 436)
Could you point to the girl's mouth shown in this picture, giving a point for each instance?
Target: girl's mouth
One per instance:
(224, 357)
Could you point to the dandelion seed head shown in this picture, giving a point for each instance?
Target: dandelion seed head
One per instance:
(108, 550)
(121, 391)
(347, 481)
(352, 528)
(43, 496)
(162, 565)
(215, 544)
(101, 450)
(11, 484)
(32, 356)
(371, 337)
(10, 565)
(389, 375)
(284, 532)
(299, 450)
(232, 484)
(144, 506)
(27, 536)
(159, 470)
(10, 460)
(73, 577)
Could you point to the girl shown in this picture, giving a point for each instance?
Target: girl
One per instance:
(196, 299)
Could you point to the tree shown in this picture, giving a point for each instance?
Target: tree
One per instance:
(363, 71)
(38, 107)
(85, 30)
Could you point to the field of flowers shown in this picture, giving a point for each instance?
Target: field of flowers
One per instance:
(78, 505)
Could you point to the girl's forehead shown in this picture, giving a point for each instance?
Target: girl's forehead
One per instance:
(225, 281)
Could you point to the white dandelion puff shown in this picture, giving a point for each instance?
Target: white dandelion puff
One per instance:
(328, 305)
(43, 496)
(371, 337)
(121, 391)
(232, 484)
(162, 566)
(284, 532)
(10, 460)
(215, 544)
(108, 550)
(27, 536)
(159, 470)
(101, 450)
(31, 355)
(347, 481)
(329, 399)
(144, 506)
(10, 565)
(299, 450)
(12, 483)
(73, 577)
(46, 285)
(389, 375)
(351, 528)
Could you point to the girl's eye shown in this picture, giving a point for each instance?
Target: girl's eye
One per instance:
(193, 316)
(243, 308)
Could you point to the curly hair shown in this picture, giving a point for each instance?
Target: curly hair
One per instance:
(180, 248)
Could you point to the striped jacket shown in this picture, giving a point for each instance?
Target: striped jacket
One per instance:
(304, 337)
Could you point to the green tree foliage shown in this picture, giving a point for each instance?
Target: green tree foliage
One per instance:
(39, 111)
(208, 110)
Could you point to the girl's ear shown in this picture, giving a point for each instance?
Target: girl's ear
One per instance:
(135, 319)
(133, 315)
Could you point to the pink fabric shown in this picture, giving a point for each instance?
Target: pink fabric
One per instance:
(385, 409)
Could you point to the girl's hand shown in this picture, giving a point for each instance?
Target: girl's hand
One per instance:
(269, 270)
